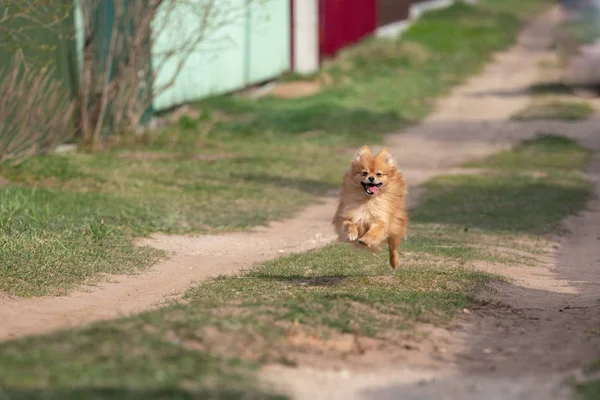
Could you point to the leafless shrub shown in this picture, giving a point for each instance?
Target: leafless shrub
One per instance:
(21, 22)
(35, 111)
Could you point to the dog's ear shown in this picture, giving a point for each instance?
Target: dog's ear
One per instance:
(387, 157)
(362, 153)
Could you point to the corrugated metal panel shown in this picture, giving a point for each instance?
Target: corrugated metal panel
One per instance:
(268, 30)
(249, 50)
(216, 65)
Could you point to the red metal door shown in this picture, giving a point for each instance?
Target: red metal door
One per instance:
(343, 22)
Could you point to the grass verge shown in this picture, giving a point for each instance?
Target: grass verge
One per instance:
(331, 303)
(590, 389)
(555, 109)
(234, 163)
(542, 173)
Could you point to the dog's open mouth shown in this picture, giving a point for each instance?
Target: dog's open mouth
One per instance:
(371, 188)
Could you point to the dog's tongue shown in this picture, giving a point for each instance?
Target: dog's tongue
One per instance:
(374, 189)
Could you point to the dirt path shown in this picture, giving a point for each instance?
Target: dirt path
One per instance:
(531, 334)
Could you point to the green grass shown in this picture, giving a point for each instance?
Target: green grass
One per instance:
(299, 305)
(555, 109)
(238, 163)
(506, 203)
(590, 390)
(65, 219)
(231, 325)
(546, 151)
(45, 251)
(115, 362)
(539, 174)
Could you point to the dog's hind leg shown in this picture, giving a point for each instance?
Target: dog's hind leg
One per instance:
(393, 244)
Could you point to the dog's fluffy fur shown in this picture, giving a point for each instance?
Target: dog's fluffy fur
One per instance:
(372, 206)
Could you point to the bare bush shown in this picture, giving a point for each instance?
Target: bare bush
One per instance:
(35, 111)
(21, 22)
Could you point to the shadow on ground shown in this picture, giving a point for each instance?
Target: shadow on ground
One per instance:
(310, 186)
(540, 89)
(304, 281)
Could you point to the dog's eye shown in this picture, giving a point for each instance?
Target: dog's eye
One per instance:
(379, 174)
(365, 173)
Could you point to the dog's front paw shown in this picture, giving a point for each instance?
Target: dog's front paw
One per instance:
(352, 235)
(351, 232)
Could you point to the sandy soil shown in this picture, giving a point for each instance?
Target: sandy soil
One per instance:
(527, 337)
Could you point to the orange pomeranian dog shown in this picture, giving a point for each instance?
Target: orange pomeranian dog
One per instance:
(372, 207)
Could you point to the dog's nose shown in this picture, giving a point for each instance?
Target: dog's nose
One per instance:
(371, 178)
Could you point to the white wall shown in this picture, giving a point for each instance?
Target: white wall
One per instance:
(306, 36)
(417, 9)
(395, 29)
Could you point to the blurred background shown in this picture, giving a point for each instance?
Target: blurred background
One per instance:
(579, 43)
